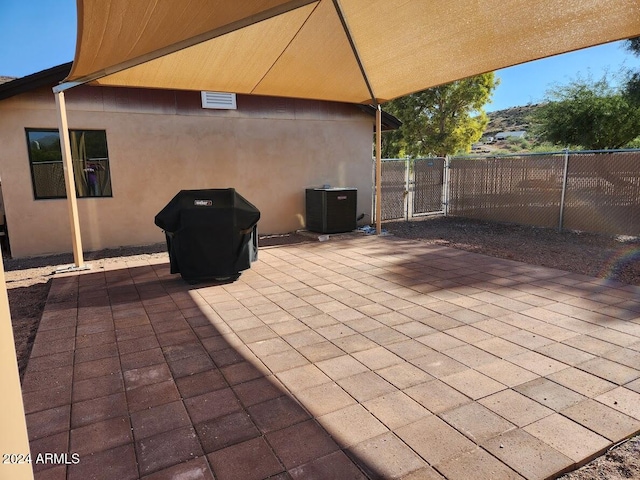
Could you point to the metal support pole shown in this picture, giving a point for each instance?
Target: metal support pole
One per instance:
(378, 170)
(564, 189)
(69, 181)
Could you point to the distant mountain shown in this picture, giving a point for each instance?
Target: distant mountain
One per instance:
(49, 139)
(509, 120)
(44, 139)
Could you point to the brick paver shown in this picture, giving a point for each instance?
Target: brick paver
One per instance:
(362, 357)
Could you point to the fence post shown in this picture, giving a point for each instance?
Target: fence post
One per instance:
(564, 188)
(445, 185)
(408, 211)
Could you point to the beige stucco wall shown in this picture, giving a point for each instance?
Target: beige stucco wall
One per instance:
(160, 142)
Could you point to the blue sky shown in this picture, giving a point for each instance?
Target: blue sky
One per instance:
(528, 82)
(38, 34)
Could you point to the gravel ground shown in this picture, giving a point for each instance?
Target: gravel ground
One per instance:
(616, 258)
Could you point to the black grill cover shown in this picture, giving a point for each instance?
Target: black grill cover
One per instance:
(210, 233)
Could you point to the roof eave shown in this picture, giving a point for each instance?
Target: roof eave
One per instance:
(45, 78)
(389, 122)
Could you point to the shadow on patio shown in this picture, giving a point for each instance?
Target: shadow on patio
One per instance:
(359, 358)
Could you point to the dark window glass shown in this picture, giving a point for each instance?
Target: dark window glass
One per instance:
(90, 163)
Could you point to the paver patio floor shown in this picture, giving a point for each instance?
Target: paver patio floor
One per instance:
(369, 357)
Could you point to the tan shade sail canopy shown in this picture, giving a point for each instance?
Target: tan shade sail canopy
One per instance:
(360, 51)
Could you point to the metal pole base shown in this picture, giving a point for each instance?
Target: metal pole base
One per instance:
(72, 268)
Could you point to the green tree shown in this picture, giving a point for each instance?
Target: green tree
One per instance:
(632, 86)
(440, 120)
(633, 44)
(588, 114)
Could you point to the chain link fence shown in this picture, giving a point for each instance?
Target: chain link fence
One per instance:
(603, 193)
(524, 189)
(48, 178)
(593, 191)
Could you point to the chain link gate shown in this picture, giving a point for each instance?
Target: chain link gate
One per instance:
(428, 186)
(412, 187)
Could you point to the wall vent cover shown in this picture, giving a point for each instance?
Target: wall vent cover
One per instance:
(219, 100)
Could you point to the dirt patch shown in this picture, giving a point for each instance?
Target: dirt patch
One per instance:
(26, 305)
(621, 463)
(618, 259)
